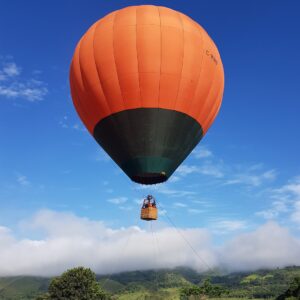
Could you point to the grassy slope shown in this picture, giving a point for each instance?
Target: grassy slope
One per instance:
(268, 283)
(21, 287)
(111, 286)
(162, 294)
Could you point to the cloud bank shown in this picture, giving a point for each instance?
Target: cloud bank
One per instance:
(69, 241)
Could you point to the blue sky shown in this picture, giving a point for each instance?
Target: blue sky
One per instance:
(243, 175)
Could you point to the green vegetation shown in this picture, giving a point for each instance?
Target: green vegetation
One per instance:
(293, 292)
(75, 284)
(206, 289)
(162, 284)
(21, 287)
(251, 278)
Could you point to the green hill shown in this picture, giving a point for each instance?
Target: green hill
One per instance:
(22, 287)
(164, 284)
(147, 284)
(111, 286)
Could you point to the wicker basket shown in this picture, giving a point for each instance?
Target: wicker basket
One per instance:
(149, 213)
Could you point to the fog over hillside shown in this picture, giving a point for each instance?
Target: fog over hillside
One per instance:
(50, 242)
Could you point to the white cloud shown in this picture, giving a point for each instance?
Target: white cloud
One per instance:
(269, 175)
(30, 91)
(179, 204)
(206, 204)
(70, 241)
(202, 152)
(291, 195)
(285, 199)
(63, 122)
(173, 179)
(226, 226)
(12, 85)
(250, 178)
(277, 208)
(205, 169)
(295, 216)
(79, 127)
(184, 170)
(267, 247)
(211, 170)
(138, 201)
(11, 69)
(4, 230)
(293, 187)
(126, 208)
(118, 200)
(162, 212)
(23, 180)
(195, 211)
(66, 123)
(165, 190)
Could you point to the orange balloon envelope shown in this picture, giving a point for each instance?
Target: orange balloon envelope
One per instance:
(147, 82)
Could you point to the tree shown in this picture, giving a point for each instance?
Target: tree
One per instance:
(206, 289)
(75, 284)
(293, 292)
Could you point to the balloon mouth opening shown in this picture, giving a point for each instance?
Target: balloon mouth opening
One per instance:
(150, 178)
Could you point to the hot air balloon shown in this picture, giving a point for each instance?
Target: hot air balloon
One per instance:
(147, 82)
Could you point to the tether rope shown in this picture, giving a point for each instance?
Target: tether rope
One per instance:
(156, 255)
(122, 254)
(188, 243)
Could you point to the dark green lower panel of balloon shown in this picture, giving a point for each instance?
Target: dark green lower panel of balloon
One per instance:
(148, 143)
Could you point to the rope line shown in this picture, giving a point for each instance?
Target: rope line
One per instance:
(119, 259)
(156, 255)
(123, 251)
(197, 254)
(188, 243)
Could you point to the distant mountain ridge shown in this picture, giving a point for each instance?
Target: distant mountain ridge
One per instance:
(164, 284)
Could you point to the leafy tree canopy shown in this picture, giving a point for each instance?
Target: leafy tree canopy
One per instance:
(206, 289)
(75, 284)
(293, 292)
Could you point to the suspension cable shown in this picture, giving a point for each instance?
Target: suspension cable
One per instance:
(122, 254)
(156, 255)
(188, 242)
